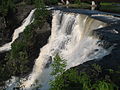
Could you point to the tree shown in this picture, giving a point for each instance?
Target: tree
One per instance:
(58, 68)
(41, 13)
(6, 6)
(72, 79)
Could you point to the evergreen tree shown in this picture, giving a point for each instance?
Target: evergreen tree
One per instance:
(40, 13)
(58, 68)
(6, 6)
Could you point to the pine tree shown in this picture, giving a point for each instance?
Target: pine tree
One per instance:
(58, 65)
(6, 6)
(40, 13)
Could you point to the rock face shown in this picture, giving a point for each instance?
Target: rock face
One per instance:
(13, 21)
(38, 39)
(7, 29)
(110, 35)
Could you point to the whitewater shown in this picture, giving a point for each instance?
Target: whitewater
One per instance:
(17, 31)
(71, 38)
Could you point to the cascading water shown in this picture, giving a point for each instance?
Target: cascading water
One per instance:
(17, 31)
(71, 38)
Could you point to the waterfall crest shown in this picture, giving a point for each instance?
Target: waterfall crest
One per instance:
(17, 31)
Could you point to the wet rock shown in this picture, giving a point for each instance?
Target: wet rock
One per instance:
(49, 62)
(22, 11)
(109, 36)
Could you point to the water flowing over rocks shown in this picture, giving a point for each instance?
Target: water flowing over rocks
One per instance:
(109, 36)
(70, 37)
(38, 39)
(14, 20)
(82, 37)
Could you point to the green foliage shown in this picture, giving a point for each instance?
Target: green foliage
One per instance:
(4, 73)
(77, 2)
(71, 79)
(40, 13)
(17, 47)
(17, 59)
(6, 6)
(75, 81)
(67, 80)
(39, 4)
(28, 32)
(58, 67)
(111, 71)
(51, 2)
(97, 67)
(102, 85)
(16, 62)
(29, 1)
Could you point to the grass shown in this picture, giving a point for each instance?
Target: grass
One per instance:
(81, 5)
(109, 3)
(108, 7)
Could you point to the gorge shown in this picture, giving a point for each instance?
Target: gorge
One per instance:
(78, 36)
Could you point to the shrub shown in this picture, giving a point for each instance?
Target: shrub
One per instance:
(71, 79)
(17, 59)
(40, 14)
(102, 85)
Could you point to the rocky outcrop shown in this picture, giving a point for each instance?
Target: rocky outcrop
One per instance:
(38, 41)
(109, 65)
(109, 36)
(39, 37)
(14, 20)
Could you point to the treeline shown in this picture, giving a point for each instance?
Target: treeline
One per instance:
(8, 6)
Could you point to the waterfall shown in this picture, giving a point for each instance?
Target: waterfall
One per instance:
(71, 38)
(17, 31)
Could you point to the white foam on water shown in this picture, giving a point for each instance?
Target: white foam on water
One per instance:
(71, 38)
